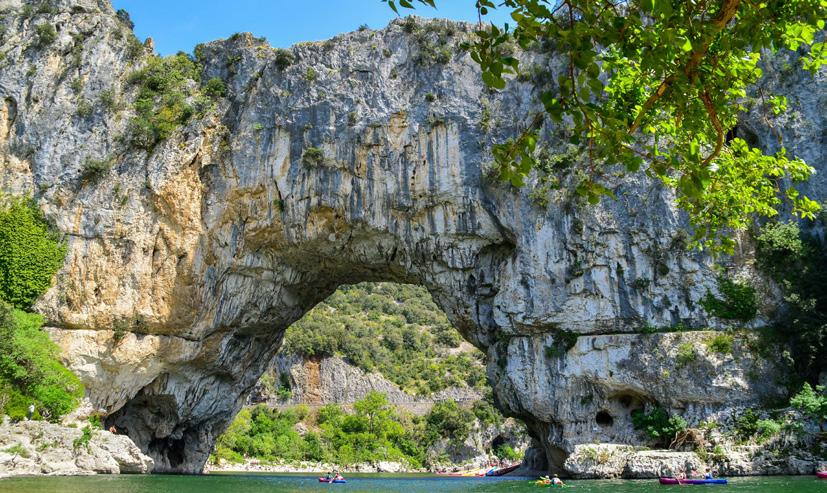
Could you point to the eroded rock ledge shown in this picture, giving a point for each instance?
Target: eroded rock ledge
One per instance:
(187, 263)
(37, 447)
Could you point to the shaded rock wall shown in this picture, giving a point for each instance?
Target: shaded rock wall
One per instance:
(204, 250)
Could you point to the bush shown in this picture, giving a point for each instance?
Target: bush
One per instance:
(124, 17)
(721, 343)
(46, 34)
(284, 58)
(30, 253)
(215, 88)
(686, 354)
(738, 303)
(109, 100)
(161, 106)
(767, 428)
(313, 156)
(658, 425)
(812, 402)
(505, 452)
(84, 438)
(310, 75)
(448, 420)
(30, 370)
(95, 168)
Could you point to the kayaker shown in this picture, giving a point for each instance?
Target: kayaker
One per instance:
(556, 481)
(708, 475)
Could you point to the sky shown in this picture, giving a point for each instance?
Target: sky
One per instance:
(179, 25)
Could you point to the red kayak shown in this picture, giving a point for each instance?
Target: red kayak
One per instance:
(673, 481)
(821, 474)
(332, 480)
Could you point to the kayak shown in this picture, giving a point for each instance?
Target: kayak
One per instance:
(325, 480)
(821, 474)
(503, 470)
(691, 481)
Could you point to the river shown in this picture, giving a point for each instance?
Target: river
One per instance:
(253, 483)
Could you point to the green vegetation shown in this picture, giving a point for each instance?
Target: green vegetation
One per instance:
(215, 88)
(798, 263)
(164, 99)
(313, 156)
(373, 431)
(17, 449)
(95, 168)
(812, 402)
(721, 343)
(30, 372)
(655, 86)
(84, 438)
(310, 75)
(46, 34)
(749, 426)
(395, 329)
(284, 58)
(686, 354)
(505, 452)
(30, 252)
(658, 425)
(738, 302)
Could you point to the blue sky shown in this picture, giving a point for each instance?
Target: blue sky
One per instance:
(178, 25)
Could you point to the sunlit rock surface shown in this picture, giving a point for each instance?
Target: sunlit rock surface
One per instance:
(186, 264)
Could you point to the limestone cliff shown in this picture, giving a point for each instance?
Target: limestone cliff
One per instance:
(186, 263)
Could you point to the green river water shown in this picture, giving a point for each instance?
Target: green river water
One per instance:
(259, 483)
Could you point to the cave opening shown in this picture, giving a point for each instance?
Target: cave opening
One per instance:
(603, 418)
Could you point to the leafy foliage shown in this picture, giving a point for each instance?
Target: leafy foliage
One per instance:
(313, 156)
(812, 402)
(46, 34)
(95, 168)
(167, 87)
(738, 302)
(798, 262)
(215, 88)
(686, 354)
(658, 425)
(373, 431)
(30, 253)
(395, 329)
(721, 343)
(30, 372)
(655, 85)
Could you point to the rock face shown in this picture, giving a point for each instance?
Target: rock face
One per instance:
(186, 264)
(38, 447)
(332, 380)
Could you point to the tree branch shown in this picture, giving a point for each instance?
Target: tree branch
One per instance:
(726, 14)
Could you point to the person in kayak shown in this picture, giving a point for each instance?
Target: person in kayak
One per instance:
(556, 481)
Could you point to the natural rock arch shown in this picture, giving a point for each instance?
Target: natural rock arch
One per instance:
(187, 263)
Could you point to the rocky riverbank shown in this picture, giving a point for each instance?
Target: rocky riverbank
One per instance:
(31, 448)
(607, 461)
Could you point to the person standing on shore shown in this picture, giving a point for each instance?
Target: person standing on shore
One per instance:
(30, 412)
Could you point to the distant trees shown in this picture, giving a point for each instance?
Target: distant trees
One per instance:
(394, 329)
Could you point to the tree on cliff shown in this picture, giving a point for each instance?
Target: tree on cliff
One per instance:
(656, 85)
